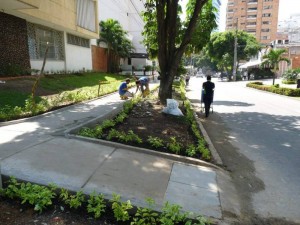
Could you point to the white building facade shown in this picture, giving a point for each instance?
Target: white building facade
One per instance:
(128, 13)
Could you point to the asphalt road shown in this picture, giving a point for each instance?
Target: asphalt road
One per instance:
(265, 128)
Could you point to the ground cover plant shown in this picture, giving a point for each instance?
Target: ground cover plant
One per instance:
(143, 124)
(53, 91)
(275, 89)
(53, 205)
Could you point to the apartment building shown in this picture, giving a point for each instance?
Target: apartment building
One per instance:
(217, 5)
(257, 17)
(128, 13)
(27, 27)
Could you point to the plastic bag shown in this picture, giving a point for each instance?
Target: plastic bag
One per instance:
(172, 108)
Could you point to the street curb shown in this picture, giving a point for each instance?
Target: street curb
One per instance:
(214, 153)
(173, 157)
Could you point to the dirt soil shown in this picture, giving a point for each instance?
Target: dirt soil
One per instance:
(146, 119)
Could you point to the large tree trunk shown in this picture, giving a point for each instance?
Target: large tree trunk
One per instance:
(169, 53)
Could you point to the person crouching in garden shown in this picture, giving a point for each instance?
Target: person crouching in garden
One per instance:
(123, 89)
(143, 85)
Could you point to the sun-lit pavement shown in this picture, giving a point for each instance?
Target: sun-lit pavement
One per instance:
(265, 127)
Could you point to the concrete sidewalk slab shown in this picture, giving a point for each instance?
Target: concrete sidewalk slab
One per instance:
(195, 189)
(135, 176)
(65, 162)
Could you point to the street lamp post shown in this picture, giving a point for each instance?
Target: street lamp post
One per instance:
(235, 52)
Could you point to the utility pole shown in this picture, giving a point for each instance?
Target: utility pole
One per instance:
(235, 52)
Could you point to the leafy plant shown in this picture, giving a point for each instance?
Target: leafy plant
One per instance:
(200, 220)
(174, 146)
(171, 214)
(113, 133)
(131, 136)
(36, 195)
(96, 205)
(155, 142)
(120, 209)
(12, 190)
(74, 201)
(121, 117)
(107, 124)
(87, 132)
(146, 215)
(191, 150)
(64, 194)
(39, 196)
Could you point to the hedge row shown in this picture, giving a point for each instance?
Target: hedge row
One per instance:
(274, 89)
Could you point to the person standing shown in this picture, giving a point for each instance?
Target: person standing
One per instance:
(123, 89)
(208, 88)
(187, 79)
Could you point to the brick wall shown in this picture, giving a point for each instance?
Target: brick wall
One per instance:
(99, 58)
(296, 62)
(14, 55)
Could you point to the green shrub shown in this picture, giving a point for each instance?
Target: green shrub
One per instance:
(96, 205)
(155, 142)
(290, 75)
(288, 82)
(120, 209)
(282, 91)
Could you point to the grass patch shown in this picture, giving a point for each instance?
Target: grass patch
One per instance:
(66, 89)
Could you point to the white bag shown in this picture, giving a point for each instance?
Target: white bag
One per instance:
(172, 108)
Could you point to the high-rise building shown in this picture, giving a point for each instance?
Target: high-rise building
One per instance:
(257, 17)
(217, 5)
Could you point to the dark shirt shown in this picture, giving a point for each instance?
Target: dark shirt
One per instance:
(208, 87)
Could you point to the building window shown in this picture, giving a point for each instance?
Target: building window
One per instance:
(266, 15)
(79, 41)
(265, 37)
(252, 9)
(86, 14)
(251, 30)
(252, 1)
(268, 0)
(251, 16)
(267, 7)
(266, 22)
(251, 23)
(40, 37)
(230, 10)
(265, 30)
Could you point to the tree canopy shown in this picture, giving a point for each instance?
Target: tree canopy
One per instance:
(112, 33)
(273, 58)
(221, 48)
(167, 37)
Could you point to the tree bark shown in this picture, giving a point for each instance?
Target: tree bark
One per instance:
(169, 55)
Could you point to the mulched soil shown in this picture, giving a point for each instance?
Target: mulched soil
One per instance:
(146, 119)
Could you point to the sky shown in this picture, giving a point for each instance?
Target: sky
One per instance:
(286, 8)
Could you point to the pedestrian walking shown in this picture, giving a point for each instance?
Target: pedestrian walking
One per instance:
(207, 94)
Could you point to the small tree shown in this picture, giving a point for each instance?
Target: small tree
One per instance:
(112, 33)
(272, 60)
(221, 48)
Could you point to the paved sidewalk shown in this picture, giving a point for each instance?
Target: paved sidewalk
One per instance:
(41, 150)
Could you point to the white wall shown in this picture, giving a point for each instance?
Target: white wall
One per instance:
(50, 66)
(127, 13)
(78, 58)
